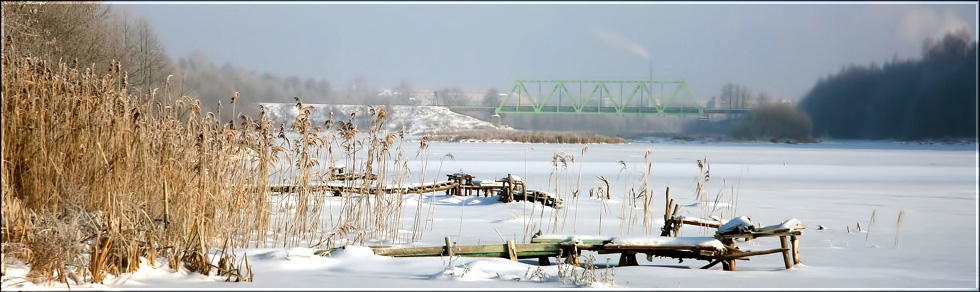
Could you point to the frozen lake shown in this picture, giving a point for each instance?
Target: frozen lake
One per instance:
(837, 185)
(834, 184)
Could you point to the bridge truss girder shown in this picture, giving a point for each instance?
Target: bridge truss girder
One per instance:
(595, 97)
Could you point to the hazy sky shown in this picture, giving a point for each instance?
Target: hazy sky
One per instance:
(782, 48)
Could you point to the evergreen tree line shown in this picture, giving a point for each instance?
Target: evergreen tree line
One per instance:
(931, 98)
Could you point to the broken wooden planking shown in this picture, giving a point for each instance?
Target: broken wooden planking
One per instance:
(492, 250)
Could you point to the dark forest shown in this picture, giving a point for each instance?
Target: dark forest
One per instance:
(931, 98)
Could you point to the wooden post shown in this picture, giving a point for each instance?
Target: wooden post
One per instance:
(795, 243)
(511, 250)
(786, 260)
(449, 247)
(677, 225)
(572, 258)
(509, 188)
(544, 261)
(631, 259)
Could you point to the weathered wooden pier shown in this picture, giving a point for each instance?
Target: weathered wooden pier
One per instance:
(509, 189)
(337, 187)
(716, 249)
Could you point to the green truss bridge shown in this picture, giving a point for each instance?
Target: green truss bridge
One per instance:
(645, 97)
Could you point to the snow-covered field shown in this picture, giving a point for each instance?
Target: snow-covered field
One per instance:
(415, 120)
(833, 184)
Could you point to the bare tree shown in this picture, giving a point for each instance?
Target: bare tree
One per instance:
(403, 93)
(86, 34)
(148, 64)
(734, 96)
(492, 98)
(60, 31)
(451, 96)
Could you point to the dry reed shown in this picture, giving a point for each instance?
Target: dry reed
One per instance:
(123, 174)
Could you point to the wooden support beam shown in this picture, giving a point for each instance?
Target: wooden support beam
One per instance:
(677, 227)
(753, 235)
(611, 246)
(449, 247)
(511, 250)
(740, 255)
(544, 261)
(572, 252)
(795, 243)
(786, 259)
(712, 264)
(628, 258)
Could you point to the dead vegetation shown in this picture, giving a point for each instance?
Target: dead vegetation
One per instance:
(98, 179)
(112, 176)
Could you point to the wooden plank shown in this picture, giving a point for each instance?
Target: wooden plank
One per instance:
(752, 235)
(678, 254)
(590, 241)
(582, 246)
(702, 224)
(737, 255)
(424, 251)
(495, 250)
(655, 247)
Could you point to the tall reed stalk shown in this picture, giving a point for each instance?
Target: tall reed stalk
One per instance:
(132, 173)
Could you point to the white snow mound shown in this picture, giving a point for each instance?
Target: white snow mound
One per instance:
(415, 120)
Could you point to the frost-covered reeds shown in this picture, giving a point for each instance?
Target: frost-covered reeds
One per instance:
(96, 176)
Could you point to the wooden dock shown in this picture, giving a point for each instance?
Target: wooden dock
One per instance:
(714, 250)
(337, 187)
(458, 184)
(509, 250)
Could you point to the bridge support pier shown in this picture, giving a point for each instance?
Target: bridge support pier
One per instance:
(496, 120)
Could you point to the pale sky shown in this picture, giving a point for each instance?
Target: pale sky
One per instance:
(782, 48)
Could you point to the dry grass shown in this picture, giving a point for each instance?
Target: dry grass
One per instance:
(115, 176)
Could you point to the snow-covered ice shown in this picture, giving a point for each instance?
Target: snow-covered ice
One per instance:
(833, 184)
